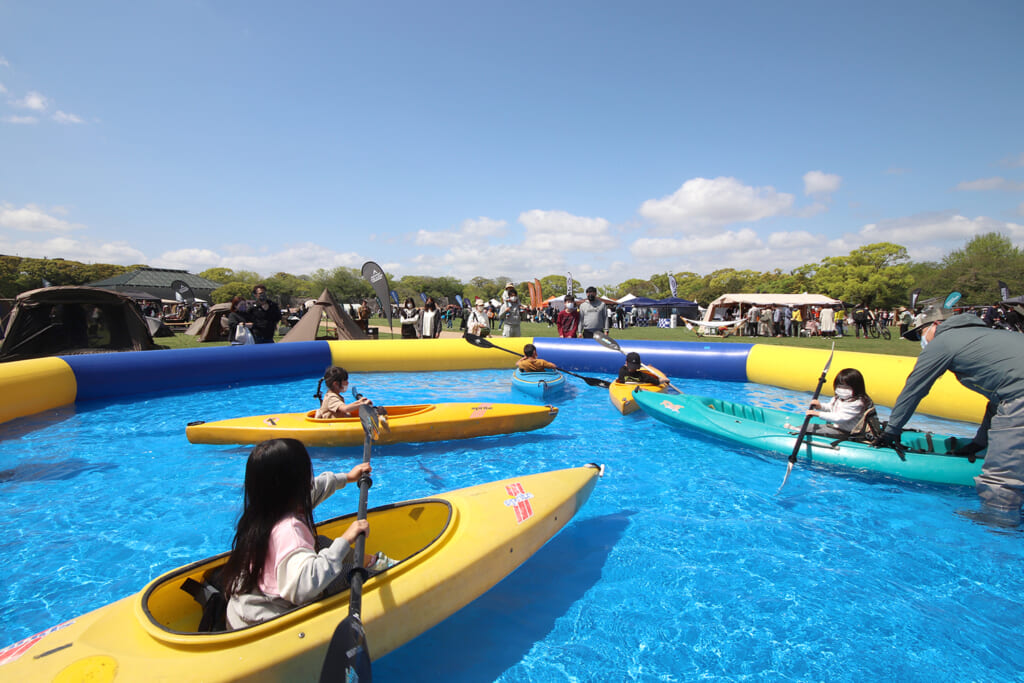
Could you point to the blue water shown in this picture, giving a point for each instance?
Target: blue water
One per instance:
(684, 564)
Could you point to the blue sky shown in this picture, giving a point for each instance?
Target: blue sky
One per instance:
(518, 139)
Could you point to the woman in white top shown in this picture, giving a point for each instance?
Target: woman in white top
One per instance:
(430, 320)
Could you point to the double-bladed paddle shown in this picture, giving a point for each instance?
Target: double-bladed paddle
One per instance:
(610, 343)
(484, 344)
(348, 655)
(807, 419)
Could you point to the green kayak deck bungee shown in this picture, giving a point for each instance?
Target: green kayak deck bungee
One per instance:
(928, 457)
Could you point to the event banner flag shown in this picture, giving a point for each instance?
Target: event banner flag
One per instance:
(183, 292)
(374, 274)
(568, 284)
(1004, 290)
(533, 295)
(913, 298)
(540, 294)
(672, 285)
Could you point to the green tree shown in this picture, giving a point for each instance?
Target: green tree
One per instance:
(291, 290)
(975, 270)
(226, 293)
(346, 284)
(873, 275)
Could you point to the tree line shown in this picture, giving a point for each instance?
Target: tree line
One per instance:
(877, 275)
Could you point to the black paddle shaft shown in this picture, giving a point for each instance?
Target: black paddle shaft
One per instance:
(348, 651)
(485, 344)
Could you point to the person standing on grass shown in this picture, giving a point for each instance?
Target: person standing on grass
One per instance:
(593, 315)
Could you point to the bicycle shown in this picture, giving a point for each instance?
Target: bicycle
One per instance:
(879, 329)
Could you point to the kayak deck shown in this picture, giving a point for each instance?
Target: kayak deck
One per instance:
(402, 424)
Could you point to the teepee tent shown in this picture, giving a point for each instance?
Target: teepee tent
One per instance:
(324, 311)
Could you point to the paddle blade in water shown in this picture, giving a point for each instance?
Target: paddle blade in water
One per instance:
(348, 657)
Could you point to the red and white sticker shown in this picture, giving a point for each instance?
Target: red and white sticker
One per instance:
(12, 653)
(519, 501)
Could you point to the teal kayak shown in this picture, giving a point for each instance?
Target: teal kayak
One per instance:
(540, 384)
(927, 457)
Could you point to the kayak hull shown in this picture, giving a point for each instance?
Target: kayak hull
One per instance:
(621, 394)
(929, 457)
(538, 384)
(452, 548)
(405, 424)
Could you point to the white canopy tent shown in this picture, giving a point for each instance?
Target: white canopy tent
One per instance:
(766, 299)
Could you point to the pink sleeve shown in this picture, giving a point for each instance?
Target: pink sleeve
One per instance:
(288, 535)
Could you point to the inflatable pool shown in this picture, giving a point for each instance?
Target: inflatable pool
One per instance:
(37, 385)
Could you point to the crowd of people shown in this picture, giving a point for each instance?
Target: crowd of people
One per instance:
(855, 321)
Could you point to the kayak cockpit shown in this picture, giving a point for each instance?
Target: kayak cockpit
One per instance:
(169, 613)
(391, 411)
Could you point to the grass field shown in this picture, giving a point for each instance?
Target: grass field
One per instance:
(894, 346)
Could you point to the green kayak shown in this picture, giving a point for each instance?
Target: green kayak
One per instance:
(927, 457)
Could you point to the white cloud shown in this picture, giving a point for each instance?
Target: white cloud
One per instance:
(475, 231)
(701, 204)
(74, 250)
(794, 240)
(34, 101)
(64, 117)
(726, 242)
(931, 236)
(4, 62)
(298, 259)
(562, 231)
(31, 218)
(1014, 161)
(2, 89)
(1020, 209)
(987, 184)
(20, 119)
(820, 183)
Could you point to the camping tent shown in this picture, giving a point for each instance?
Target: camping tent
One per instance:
(157, 328)
(308, 327)
(73, 320)
(212, 327)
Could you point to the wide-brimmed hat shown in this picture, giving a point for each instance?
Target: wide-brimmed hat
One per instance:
(633, 360)
(932, 314)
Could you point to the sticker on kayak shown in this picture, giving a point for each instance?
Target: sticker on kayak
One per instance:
(519, 501)
(480, 410)
(14, 652)
(669, 405)
(272, 421)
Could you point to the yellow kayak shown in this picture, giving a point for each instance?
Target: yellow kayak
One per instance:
(451, 549)
(405, 424)
(621, 393)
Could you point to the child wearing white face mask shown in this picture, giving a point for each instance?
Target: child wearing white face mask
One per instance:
(851, 410)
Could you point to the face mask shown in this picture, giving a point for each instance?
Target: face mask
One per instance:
(513, 299)
(570, 306)
(844, 392)
(480, 307)
(409, 306)
(262, 296)
(592, 297)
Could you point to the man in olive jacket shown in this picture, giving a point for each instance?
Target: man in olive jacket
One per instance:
(990, 362)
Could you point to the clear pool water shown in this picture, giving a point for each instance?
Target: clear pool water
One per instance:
(683, 565)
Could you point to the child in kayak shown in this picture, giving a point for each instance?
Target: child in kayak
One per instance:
(277, 562)
(631, 372)
(333, 405)
(850, 412)
(531, 363)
